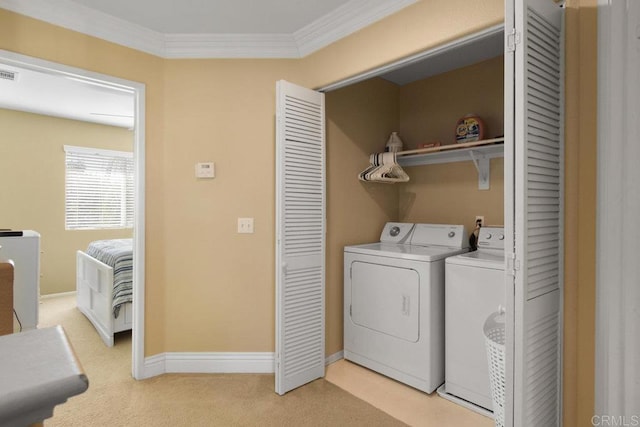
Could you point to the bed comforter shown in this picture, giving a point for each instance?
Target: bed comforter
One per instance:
(118, 254)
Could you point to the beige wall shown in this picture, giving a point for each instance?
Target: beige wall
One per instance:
(359, 121)
(32, 170)
(429, 110)
(220, 291)
(580, 212)
(170, 157)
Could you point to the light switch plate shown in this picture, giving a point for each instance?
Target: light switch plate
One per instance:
(205, 170)
(245, 225)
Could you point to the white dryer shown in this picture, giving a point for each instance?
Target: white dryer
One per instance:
(474, 288)
(394, 301)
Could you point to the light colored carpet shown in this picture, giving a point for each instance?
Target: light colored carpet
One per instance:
(115, 399)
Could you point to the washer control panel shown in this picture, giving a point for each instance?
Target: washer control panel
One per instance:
(491, 238)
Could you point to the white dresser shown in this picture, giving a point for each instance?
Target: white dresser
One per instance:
(24, 251)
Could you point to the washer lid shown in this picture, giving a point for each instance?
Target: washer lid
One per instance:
(481, 258)
(412, 252)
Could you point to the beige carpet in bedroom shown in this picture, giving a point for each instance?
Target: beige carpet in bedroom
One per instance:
(115, 399)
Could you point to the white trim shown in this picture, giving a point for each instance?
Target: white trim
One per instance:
(165, 363)
(341, 22)
(22, 61)
(333, 358)
(617, 375)
(346, 19)
(153, 366)
(58, 295)
(139, 233)
(422, 56)
(230, 46)
(562, 226)
(210, 363)
(97, 151)
(73, 16)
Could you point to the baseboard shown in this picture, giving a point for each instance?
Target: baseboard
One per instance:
(58, 295)
(334, 358)
(153, 366)
(209, 363)
(215, 363)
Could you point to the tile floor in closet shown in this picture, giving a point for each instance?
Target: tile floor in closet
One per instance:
(400, 401)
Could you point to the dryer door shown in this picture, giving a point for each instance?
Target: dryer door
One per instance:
(386, 299)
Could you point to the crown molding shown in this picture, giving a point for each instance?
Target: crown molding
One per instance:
(230, 46)
(70, 15)
(346, 19)
(343, 21)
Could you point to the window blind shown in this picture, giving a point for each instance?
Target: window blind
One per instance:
(98, 188)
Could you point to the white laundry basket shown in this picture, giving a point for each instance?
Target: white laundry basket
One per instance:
(494, 339)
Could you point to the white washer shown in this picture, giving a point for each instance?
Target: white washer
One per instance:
(394, 301)
(474, 288)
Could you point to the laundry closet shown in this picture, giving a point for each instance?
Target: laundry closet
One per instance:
(423, 110)
(518, 94)
(361, 117)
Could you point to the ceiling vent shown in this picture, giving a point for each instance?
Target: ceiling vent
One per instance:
(8, 75)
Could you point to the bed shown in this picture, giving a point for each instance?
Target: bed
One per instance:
(104, 278)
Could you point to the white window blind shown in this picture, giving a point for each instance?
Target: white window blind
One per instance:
(98, 188)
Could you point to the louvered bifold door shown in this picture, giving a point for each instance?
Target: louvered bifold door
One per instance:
(300, 236)
(538, 213)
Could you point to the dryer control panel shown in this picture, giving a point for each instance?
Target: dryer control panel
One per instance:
(396, 232)
(453, 236)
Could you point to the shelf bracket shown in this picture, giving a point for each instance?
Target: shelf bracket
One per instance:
(482, 166)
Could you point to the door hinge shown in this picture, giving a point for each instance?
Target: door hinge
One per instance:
(513, 264)
(513, 39)
(350, 312)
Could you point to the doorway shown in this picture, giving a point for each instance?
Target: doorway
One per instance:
(136, 90)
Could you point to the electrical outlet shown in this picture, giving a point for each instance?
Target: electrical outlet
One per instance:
(480, 220)
(245, 225)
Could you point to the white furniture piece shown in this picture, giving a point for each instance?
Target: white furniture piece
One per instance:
(23, 248)
(474, 288)
(94, 286)
(394, 301)
(39, 371)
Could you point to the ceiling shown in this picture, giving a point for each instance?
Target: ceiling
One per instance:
(67, 97)
(213, 28)
(177, 29)
(221, 17)
(62, 96)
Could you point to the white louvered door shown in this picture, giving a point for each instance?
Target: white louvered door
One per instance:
(300, 236)
(535, 208)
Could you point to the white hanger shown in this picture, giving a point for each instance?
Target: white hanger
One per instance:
(383, 168)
